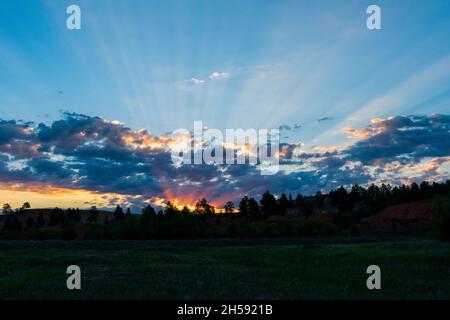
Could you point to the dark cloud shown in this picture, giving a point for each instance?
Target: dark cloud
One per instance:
(325, 119)
(404, 138)
(91, 153)
(10, 130)
(285, 127)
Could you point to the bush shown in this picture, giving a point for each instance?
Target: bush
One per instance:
(93, 232)
(219, 232)
(314, 228)
(131, 229)
(288, 229)
(307, 228)
(255, 230)
(271, 230)
(68, 232)
(112, 231)
(259, 230)
(440, 220)
(39, 234)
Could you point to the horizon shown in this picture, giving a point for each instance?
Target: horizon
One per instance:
(86, 115)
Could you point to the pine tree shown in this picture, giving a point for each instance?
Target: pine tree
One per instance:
(243, 206)
(118, 213)
(269, 204)
(283, 204)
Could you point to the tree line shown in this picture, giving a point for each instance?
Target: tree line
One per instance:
(346, 207)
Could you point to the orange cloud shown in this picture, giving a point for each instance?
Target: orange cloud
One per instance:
(378, 126)
(50, 197)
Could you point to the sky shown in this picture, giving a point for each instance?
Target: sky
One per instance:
(85, 114)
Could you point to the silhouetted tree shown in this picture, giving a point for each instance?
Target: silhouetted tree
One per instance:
(243, 206)
(26, 205)
(253, 208)
(92, 215)
(148, 215)
(203, 207)
(319, 200)
(299, 201)
(56, 217)
(7, 208)
(229, 207)
(12, 223)
(341, 199)
(426, 191)
(185, 211)
(170, 210)
(291, 201)
(149, 211)
(356, 193)
(283, 204)
(268, 204)
(77, 216)
(118, 213)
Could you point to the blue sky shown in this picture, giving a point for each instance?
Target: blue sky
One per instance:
(288, 61)
(150, 64)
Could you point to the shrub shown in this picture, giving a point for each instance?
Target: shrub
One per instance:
(259, 230)
(93, 232)
(219, 232)
(255, 230)
(131, 229)
(271, 230)
(112, 231)
(39, 234)
(288, 229)
(68, 232)
(307, 228)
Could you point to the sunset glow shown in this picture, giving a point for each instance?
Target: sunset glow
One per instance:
(95, 122)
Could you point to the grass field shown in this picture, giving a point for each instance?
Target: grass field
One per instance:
(259, 269)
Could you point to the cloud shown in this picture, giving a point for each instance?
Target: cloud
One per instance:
(285, 127)
(404, 138)
(80, 152)
(325, 119)
(218, 75)
(197, 82)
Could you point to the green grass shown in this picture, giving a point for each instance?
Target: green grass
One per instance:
(224, 270)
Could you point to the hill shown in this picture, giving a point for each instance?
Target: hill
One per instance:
(408, 218)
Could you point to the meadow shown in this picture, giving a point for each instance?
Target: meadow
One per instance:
(226, 269)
